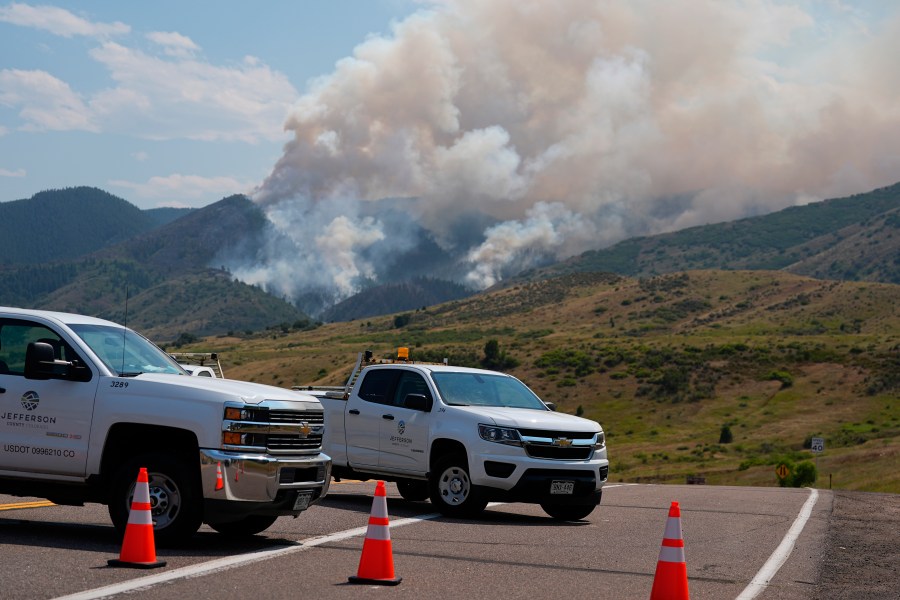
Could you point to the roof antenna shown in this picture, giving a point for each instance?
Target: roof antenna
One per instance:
(125, 329)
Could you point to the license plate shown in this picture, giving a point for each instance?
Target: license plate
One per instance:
(562, 487)
(302, 501)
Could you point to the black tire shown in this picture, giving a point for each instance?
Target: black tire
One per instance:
(451, 488)
(413, 490)
(568, 512)
(175, 496)
(249, 525)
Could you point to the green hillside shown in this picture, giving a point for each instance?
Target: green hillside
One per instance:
(667, 364)
(853, 238)
(62, 224)
(163, 268)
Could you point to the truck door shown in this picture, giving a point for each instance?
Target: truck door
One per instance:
(404, 431)
(44, 423)
(364, 416)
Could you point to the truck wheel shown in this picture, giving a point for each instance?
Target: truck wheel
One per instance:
(452, 491)
(413, 489)
(568, 512)
(176, 500)
(249, 525)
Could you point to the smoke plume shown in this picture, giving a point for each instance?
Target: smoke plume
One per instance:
(521, 131)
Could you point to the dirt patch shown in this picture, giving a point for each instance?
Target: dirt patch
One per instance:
(862, 555)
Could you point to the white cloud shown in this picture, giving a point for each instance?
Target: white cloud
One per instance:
(58, 21)
(184, 190)
(173, 43)
(186, 98)
(45, 102)
(16, 173)
(169, 94)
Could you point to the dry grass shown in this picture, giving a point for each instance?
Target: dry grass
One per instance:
(839, 343)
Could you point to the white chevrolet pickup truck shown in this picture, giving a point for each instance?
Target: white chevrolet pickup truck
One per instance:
(85, 403)
(461, 437)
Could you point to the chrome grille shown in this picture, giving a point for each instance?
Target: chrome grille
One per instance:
(557, 453)
(313, 417)
(281, 443)
(558, 445)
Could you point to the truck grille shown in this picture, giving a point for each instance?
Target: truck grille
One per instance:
(558, 445)
(555, 453)
(279, 431)
(281, 443)
(313, 417)
(287, 443)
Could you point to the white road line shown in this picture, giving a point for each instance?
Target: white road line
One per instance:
(228, 562)
(782, 552)
(239, 560)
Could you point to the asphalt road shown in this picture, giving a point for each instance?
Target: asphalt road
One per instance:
(513, 551)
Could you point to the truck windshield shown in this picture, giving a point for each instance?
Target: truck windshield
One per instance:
(481, 389)
(125, 352)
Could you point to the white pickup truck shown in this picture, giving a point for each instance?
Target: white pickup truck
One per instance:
(85, 403)
(461, 437)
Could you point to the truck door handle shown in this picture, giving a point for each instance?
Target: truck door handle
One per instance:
(2, 390)
(388, 417)
(353, 411)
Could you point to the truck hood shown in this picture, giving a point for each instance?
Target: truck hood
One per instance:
(226, 389)
(529, 419)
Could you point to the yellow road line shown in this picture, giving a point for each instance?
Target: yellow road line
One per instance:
(22, 505)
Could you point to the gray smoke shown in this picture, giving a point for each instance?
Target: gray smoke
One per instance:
(559, 127)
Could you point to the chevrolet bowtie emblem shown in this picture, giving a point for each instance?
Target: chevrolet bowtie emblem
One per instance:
(305, 429)
(562, 442)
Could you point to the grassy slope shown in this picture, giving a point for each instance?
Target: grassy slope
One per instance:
(663, 364)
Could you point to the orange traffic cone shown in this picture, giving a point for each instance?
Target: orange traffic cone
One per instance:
(670, 581)
(376, 565)
(220, 483)
(138, 550)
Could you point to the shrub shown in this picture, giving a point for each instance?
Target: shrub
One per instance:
(496, 359)
(786, 379)
(725, 436)
(804, 474)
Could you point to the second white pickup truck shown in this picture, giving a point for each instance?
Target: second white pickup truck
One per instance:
(461, 437)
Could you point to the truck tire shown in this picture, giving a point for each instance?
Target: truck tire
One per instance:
(451, 488)
(413, 489)
(249, 525)
(568, 512)
(176, 500)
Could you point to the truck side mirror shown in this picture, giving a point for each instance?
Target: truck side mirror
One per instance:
(39, 361)
(551, 405)
(417, 402)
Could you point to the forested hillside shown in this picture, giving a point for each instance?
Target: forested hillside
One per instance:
(68, 223)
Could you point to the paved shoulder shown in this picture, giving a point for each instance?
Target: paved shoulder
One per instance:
(862, 558)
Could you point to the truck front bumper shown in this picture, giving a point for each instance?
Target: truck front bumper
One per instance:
(506, 474)
(238, 484)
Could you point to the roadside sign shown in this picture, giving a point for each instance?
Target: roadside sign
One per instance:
(818, 445)
(782, 471)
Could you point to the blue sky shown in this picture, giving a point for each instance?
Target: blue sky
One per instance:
(88, 90)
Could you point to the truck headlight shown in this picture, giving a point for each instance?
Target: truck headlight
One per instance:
(501, 435)
(601, 441)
